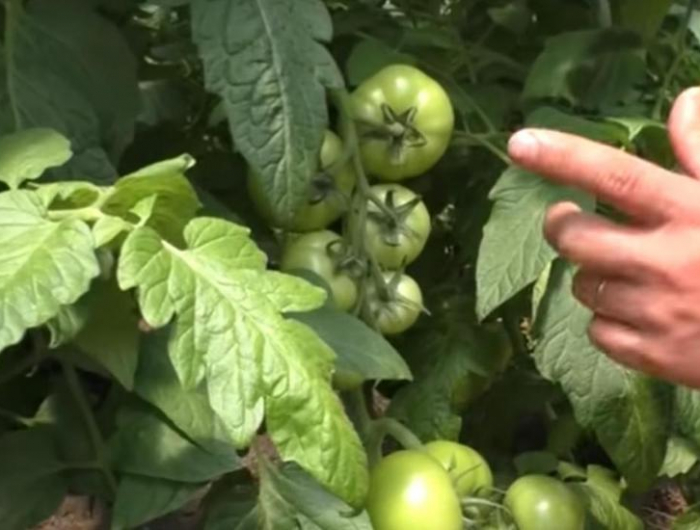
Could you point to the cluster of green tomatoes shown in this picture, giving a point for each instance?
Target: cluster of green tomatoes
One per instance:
(446, 486)
(404, 121)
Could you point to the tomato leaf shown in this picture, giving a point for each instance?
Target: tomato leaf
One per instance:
(175, 201)
(69, 69)
(111, 337)
(681, 456)
(627, 410)
(25, 155)
(51, 264)
(513, 252)
(276, 103)
(142, 499)
(362, 353)
(643, 16)
(157, 382)
(602, 494)
(369, 56)
(592, 68)
(230, 332)
(31, 486)
(291, 499)
(451, 366)
(146, 445)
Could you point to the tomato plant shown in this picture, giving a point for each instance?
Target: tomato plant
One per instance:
(320, 253)
(407, 120)
(328, 194)
(179, 330)
(538, 501)
(409, 490)
(397, 235)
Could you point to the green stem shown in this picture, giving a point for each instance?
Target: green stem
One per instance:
(98, 444)
(681, 45)
(604, 14)
(482, 140)
(13, 10)
(383, 427)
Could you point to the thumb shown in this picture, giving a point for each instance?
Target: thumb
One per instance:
(684, 131)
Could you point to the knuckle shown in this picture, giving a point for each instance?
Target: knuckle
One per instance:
(618, 182)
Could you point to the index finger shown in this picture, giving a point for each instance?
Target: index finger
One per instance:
(636, 187)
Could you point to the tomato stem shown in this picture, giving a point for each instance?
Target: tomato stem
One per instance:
(78, 393)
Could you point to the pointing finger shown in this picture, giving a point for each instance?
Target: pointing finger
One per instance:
(640, 189)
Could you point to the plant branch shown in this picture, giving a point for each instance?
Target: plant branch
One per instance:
(482, 140)
(681, 45)
(98, 444)
(604, 14)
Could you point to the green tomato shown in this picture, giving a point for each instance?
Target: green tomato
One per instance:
(405, 119)
(539, 502)
(329, 194)
(316, 252)
(399, 240)
(471, 474)
(409, 490)
(397, 306)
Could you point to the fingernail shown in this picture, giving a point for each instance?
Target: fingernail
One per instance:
(523, 144)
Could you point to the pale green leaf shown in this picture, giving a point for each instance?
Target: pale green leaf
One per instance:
(362, 353)
(68, 195)
(71, 70)
(46, 264)
(276, 102)
(229, 333)
(291, 499)
(681, 456)
(175, 200)
(67, 324)
(25, 155)
(601, 494)
(144, 444)
(513, 252)
(628, 410)
(142, 499)
(107, 228)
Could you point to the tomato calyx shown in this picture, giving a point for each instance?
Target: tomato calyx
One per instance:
(398, 131)
(392, 221)
(388, 293)
(323, 186)
(344, 260)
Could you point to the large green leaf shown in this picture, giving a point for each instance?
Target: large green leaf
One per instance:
(142, 499)
(25, 155)
(70, 69)
(110, 334)
(266, 60)
(229, 331)
(453, 362)
(144, 444)
(513, 251)
(362, 353)
(628, 411)
(291, 499)
(44, 264)
(593, 68)
(681, 456)
(31, 486)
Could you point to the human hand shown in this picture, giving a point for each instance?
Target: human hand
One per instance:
(641, 279)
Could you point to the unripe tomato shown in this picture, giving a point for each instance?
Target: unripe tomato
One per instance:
(398, 308)
(316, 252)
(399, 240)
(405, 119)
(539, 502)
(471, 474)
(409, 490)
(329, 194)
